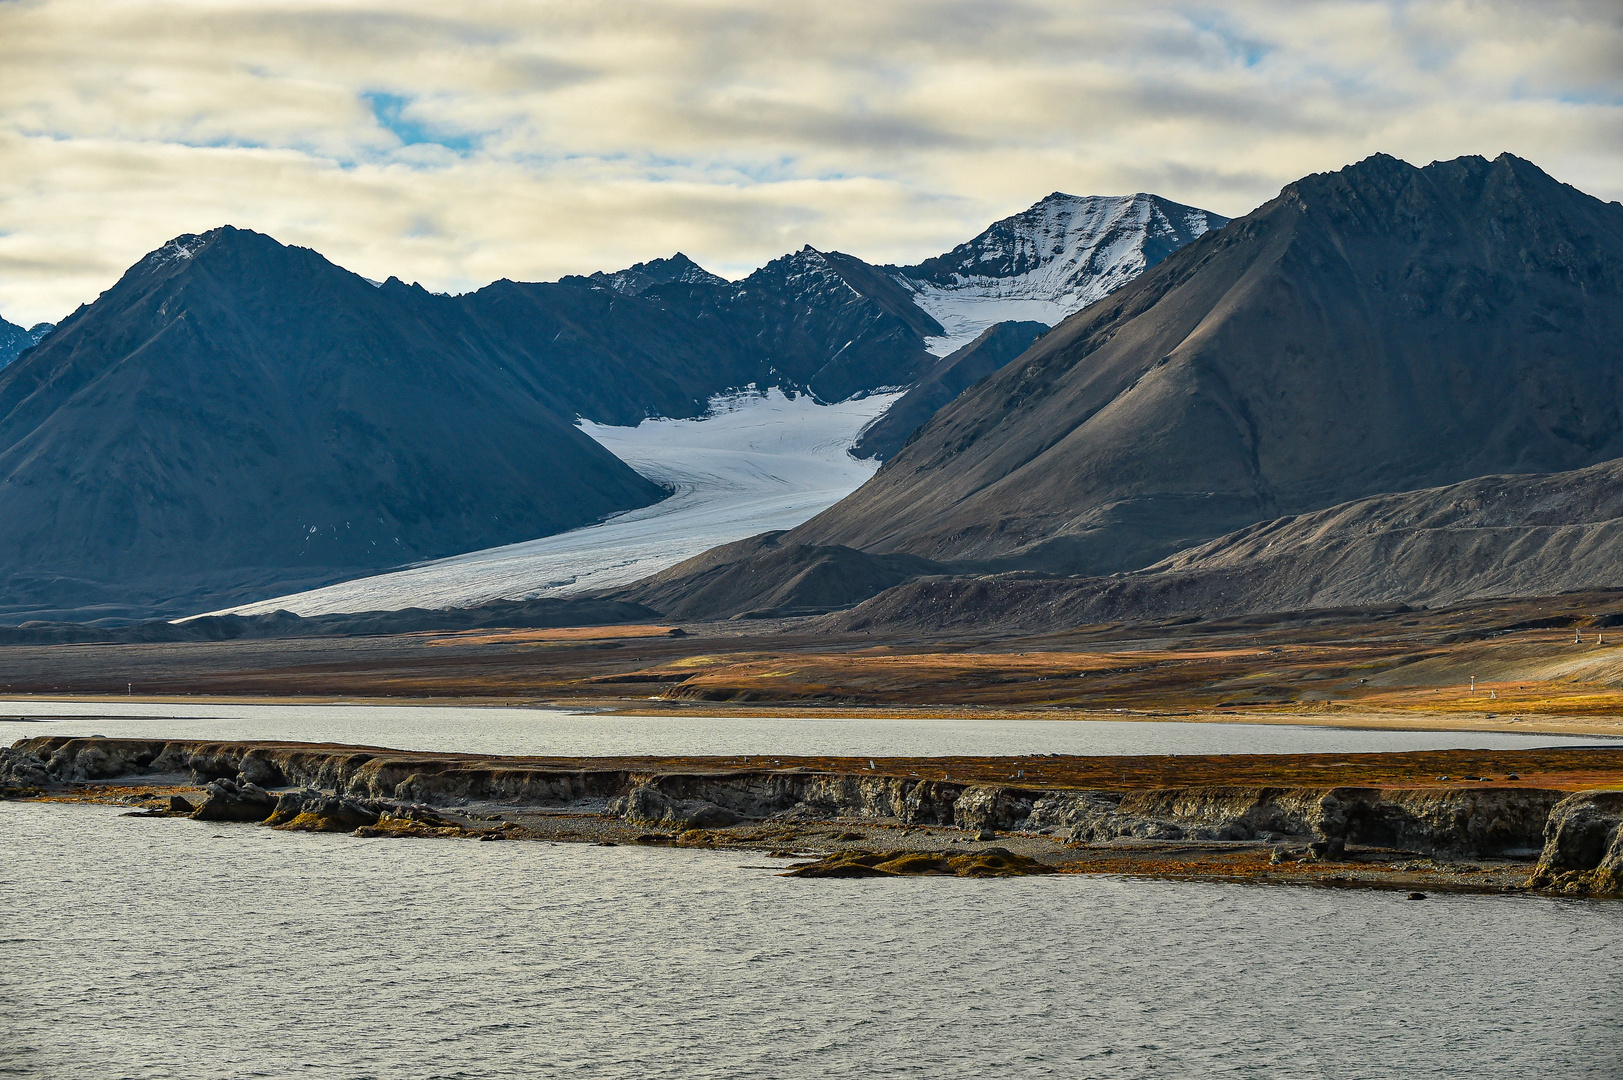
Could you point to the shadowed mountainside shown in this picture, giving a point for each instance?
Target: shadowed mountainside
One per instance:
(234, 412)
(1382, 328)
(236, 418)
(954, 374)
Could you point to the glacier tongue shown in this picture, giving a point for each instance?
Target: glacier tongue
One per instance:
(757, 462)
(1049, 261)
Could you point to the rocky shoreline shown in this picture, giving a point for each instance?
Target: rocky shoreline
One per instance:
(881, 820)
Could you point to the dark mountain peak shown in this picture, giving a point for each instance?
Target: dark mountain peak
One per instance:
(1379, 176)
(807, 261)
(640, 277)
(225, 249)
(217, 241)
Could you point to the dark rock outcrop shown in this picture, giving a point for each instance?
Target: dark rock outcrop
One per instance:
(227, 800)
(329, 813)
(1459, 822)
(1583, 846)
(649, 805)
(21, 770)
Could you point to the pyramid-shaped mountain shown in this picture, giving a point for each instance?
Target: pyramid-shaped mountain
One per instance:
(1050, 260)
(235, 414)
(1378, 329)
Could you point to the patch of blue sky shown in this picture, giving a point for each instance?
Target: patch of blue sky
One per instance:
(393, 113)
(1607, 98)
(1248, 51)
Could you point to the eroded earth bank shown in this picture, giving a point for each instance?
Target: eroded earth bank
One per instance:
(1499, 821)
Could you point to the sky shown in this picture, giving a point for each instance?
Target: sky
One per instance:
(454, 142)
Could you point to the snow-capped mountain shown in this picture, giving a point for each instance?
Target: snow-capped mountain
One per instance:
(14, 339)
(1049, 261)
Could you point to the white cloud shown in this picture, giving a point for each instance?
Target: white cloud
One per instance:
(458, 141)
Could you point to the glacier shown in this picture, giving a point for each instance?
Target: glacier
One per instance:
(756, 462)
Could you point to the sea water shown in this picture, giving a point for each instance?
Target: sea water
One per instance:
(176, 949)
(570, 734)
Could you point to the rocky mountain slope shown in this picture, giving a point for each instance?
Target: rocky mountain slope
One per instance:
(662, 339)
(234, 414)
(1050, 260)
(1383, 328)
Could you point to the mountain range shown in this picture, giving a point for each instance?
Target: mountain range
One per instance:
(236, 418)
(1390, 384)
(1380, 329)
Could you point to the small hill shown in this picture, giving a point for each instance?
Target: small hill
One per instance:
(761, 577)
(1493, 536)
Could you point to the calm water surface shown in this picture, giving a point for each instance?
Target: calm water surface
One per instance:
(556, 732)
(179, 949)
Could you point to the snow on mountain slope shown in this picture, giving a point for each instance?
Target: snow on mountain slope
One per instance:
(1049, 261)
(757, 462)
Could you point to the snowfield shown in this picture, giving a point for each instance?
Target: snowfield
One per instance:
(757, 462)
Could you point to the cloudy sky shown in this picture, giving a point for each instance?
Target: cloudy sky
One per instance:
(457, 141)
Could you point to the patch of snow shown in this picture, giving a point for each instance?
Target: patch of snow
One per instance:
(757, 462)
(179, 249)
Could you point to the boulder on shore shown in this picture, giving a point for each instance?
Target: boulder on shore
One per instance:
(227, 800)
